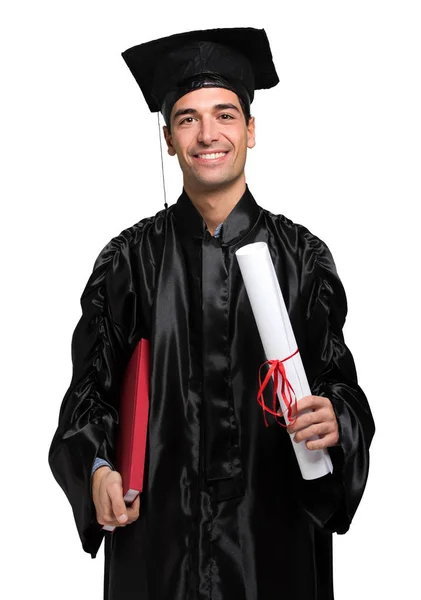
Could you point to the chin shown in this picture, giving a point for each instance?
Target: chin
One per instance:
(210, 185)
(216, 181)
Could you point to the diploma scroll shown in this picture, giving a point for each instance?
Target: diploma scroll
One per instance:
(279, 342)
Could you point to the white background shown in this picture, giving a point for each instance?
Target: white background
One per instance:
(338, 150)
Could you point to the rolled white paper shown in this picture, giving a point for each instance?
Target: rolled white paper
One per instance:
(278, 342)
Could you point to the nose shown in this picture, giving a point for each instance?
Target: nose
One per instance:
(208, 131)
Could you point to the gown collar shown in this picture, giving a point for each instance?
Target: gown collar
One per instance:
(238, 223)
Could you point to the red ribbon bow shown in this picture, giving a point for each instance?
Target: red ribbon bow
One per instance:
(276, 368)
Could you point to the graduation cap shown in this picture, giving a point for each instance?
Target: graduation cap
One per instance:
(237, 58)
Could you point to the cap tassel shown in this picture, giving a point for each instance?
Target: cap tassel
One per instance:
(162, 163)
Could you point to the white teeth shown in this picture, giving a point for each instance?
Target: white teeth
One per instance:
(212, 156)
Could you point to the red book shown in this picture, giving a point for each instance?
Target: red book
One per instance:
(133, 424)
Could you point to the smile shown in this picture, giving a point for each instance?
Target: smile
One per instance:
(212, 156)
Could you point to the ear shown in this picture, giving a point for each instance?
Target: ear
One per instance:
(251, 139)
(168, 139)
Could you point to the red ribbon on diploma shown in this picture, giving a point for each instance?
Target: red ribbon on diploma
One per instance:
(276, 368)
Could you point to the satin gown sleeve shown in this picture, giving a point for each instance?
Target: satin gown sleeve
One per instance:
(331, 502)
(89, 411)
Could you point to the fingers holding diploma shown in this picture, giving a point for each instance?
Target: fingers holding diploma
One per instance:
(315, 417)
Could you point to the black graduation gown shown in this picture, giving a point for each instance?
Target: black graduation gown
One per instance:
(225, 513)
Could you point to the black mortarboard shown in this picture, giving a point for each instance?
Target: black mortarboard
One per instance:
(241, 56)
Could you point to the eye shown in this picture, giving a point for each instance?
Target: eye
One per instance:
(186, 121)
(226, 117)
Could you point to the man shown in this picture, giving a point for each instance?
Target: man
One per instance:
(225, 513)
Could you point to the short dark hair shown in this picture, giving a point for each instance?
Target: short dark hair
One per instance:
(246, 109)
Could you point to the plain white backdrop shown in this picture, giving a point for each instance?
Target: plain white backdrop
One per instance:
(338, 150)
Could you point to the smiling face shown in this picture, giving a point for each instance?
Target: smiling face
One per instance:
(210, 137)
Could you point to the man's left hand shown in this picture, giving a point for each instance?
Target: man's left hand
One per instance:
(320, 421)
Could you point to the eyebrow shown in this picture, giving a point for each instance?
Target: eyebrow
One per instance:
(193, 111)
(226, 107)
(185, 111)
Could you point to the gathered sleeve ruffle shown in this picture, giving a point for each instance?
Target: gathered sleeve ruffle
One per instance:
(101, 345)
(332, 501)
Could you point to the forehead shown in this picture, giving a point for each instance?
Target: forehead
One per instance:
(205, 99)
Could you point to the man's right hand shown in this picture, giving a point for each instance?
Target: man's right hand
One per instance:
(107, 495)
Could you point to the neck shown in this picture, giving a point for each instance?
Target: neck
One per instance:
(215, 205)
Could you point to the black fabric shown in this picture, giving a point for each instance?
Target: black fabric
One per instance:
(224, 513)
(236, 54)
